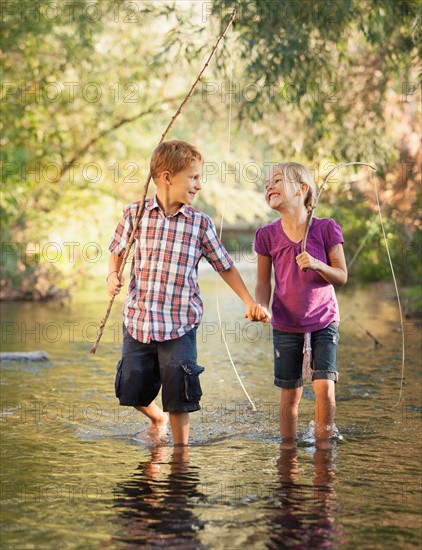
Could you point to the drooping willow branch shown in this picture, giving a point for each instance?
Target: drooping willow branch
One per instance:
(327, 177)
(145, 189)
(78, 154)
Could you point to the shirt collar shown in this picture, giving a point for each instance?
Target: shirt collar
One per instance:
(185, 210)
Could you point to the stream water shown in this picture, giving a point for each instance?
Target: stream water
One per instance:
(73, 477)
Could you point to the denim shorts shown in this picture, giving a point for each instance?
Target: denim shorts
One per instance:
(288, 356)
(170, 365)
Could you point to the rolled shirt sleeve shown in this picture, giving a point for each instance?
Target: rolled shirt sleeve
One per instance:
(120, 239)
(213, 249)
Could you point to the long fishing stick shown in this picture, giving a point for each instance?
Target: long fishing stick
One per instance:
(327, 177)
(145, 189)
(374, 168)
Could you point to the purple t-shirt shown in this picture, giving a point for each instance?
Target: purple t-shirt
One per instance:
(302, 302)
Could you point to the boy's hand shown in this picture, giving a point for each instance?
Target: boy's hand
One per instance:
(256, 312)
(114, 285)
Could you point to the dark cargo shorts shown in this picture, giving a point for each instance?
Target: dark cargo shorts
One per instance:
(145, 368)
(288, 356)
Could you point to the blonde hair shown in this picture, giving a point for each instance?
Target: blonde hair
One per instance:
(296, 172)
(173, 156)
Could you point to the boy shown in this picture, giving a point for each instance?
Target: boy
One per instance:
(163, 308)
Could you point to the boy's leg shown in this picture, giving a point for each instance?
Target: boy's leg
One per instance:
(289, 405)
(325, 408)
(159, 421)
(181, 390)
(179, 423)
(138, 383)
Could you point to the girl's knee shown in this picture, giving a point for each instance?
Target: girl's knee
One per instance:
(291, 395)
(324, 389)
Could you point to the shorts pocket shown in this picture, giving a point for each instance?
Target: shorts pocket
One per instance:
(118, 378)
(191, 387)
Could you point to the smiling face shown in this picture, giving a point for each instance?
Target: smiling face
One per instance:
(279, 191)
(184, 185)
(290, 185)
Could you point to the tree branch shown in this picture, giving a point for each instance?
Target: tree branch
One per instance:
(67, 165)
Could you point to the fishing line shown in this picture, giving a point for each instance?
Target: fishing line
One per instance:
(388, 254)
(362, 244)
(397, 293)
(228, 149)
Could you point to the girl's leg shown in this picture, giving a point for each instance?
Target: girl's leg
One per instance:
(289, 404)
(325, 408)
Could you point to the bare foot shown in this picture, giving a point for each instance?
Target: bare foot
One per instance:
(156, 433)
(323, 431)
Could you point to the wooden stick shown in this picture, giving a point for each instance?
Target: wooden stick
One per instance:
(349, 315)
(327, 177)
(377, 343)
(145, 189)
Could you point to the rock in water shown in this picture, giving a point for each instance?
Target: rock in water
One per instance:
(24, 356)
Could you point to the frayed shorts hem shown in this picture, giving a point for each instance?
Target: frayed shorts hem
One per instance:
(325, 375)
(298, 383)
(288, 356)
(288, 384)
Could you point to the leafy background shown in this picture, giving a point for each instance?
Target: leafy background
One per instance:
(88, 87)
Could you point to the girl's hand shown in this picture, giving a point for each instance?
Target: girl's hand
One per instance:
(114, 285)
(256, 312)
(306, 261)
(263, 315)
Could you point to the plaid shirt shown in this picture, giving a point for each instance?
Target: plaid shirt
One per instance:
(163, 299)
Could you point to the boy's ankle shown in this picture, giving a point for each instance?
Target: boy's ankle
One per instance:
(162, 419)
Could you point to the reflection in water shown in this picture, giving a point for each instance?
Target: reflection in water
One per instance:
(156, 509)
(305, 516)
(57, 420)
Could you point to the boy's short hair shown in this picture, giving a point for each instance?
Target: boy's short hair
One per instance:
(173, 156)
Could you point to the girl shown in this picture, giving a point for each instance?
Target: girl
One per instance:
(304, 301)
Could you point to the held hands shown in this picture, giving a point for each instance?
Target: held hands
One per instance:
(256, 312)
(114, 285)
(306, 261)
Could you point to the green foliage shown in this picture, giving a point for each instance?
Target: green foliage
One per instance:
(333, 62)
(86, 96)
(365, 244)
(412, 300)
